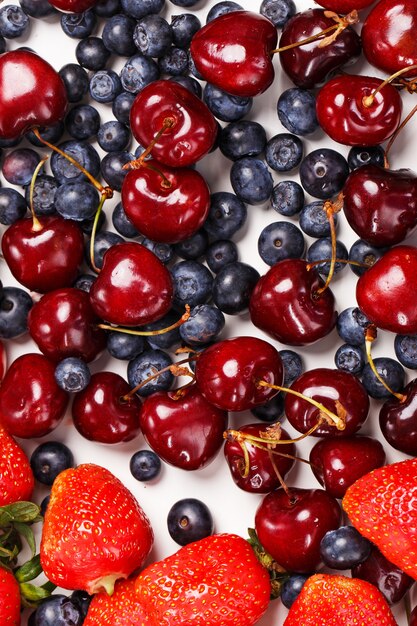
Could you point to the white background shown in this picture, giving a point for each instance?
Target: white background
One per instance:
(233, 510)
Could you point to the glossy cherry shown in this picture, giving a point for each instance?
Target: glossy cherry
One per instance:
(63, 324)
(233, 52)
(165, 204)
(31, 403)
(398, 420)
(182, 427)
(287, 304)
(291, 525)
(73, 6)
(192, 130)
(228, 372)
(31, 93)
(345, 6)
(133, 288)
(352, 112)
(385, 292)
(3, 360)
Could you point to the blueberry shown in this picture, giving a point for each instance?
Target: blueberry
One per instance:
(224, 106)
(344, 547)
(323, 173)
(278, 11)
(138, 72)
(82, 121)
(287, 198)
(153, 36)
(121, 106)
(52, 133)
(361, 155)
(251, 180)
(124, 346)
(19, 166)
(37, 8)
(293, 366)
(81, 599)
(193, 247)
(13, 206)
(296, 110)
(350, 358)
(3, 46)
(168, 338)
(271, 411)
(14, 22)
(204, 325)
(291, 588)
(174, 62)
(105, 85)
(113, 136)
(189, 520)
(145, 465)
(15, 304)
(183, 28)
(44, 504)
(145, 366)
(185, 3)
(284, 152)
(233, 286)
(118, 35)
(164, 251)
(76, 81)
(192, 283)
(226, 216)
(92, 54)
(84, 282)
(58, 610)
(313, 220)
(365, 254)
(189, 83)
(351, 325)
(140, 8)
(405, 347)
(220, 253)
(78, 25)
(321, 249)
(72, 374)
(280, 240)
(81, 152)
(112, 168)
(76, 200)
(102, 242)
(107, 8)
(50, 459)
(242, 138)
(122, 223)
(221, 8)
(390, 370)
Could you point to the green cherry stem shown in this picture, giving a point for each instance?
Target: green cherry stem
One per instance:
(369, 100)
(370, 336)
(36, 225)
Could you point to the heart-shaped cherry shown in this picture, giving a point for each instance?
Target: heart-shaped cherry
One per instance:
(31, 93)
(182, 427)
(398, 420)
(233, 52)
(165, 204)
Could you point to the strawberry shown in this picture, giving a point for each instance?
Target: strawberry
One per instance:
(216, 581)
(16, 476)
(94, 531)
(382, 506)
(122, 608)
(334, 600)
(9, 599)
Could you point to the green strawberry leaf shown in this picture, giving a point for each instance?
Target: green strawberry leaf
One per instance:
(26, 532)
(23, 512)
(277, 573)
(29, 570)
(32, 595)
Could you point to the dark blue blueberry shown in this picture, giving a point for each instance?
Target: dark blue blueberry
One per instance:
(81, 599)
(280, 240)
(174, 62)
(138, 72)
(76, 201)
(118, 35)
(192, 68)
(43, 197)
(189, 83)
(52, 133)
(293, 366)
(107, 8)
(72, 374)
(193, 247)
(278, 11)
(323, 173)
(241, 139)
(3, 46)
(19, 166)
(271, 411)
(226, 216)
(122, 223)
(145, 465)
(224, 106)
(15, 305)
(291, 588)
(13, 206)
(351, 325)
(313, 220)
(192, 282)
(144, 366)
(204, 325)
(321, 250)
(344, 547)
(44, 504)
(296, 110)
(140, 8)
(14, 22)
(251, 180)
(287, 198)
(113, 136)
(360, 155)
(164, 251)
(92, 54)
(284, 152)
(76, 81)
(189, 520)
(185, 3)
(183, 28)
(58, 610)
(365, 254)
(103, 240)
(49, 459)
(153, 36)
(390, 370)
(168, 338)
(112, 168)
(220, 253)
(84, 282)
(221, 8)
(405, 347)
(9, 143)
(124, 346)
(233, 286)
(121, 106)
(37, 8)
(87, 225)
(78, 25)
(105, 85)
(350, 358)
(82, 121)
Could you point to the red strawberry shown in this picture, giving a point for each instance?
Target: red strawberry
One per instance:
(9, 599)
(216, 581)
(333, 600)
(94, 531)
(122, 608)
(16, 476)
(382, 506)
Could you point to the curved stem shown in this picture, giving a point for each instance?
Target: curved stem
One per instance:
(399, 129)
(137, 163)
(93, 233)
(174, 368)
(370, 336)
(149, 333)
(36, 225)
(331, 208)
(369, 100)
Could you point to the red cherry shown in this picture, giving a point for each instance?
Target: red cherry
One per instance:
(64, 324)
(291, 526)
(31, 93)
(345, 6)
(337, 462)
(31, 403)
(339, 391)
(3, 360)
(228, 372)
(287, 304)
(398, 420)
(233, 52)
(165, 204)
(182, 427)
(73, 6)
(45, 258)
(102, 413)
(352, 112)
(193, 128)
(385, 292)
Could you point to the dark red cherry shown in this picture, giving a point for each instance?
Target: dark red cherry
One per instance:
(352, 112)
(228, 373)
(182, 427)
(310, 65)
(64, 324)
(291, 526)
(165, 204)
(398, 420)
(46, 257)
(193, 128)
(31, 93)
(381, 204)
(3, 360)
(286, 304)
(73, 6)
(337, 462)
(31, 403)
(339, 391)
(233, 52)
(133, 288)
(102, 413)
(344, 6)
(386, 291)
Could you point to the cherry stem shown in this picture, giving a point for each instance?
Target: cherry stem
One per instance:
(175, 369)
(166, 183)
(395, 135)
(370, 336)
(368, 101)
(330, 209)
(149, 333)
(345, 261)
(36, 225)
(93, 234)
(137, 163)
